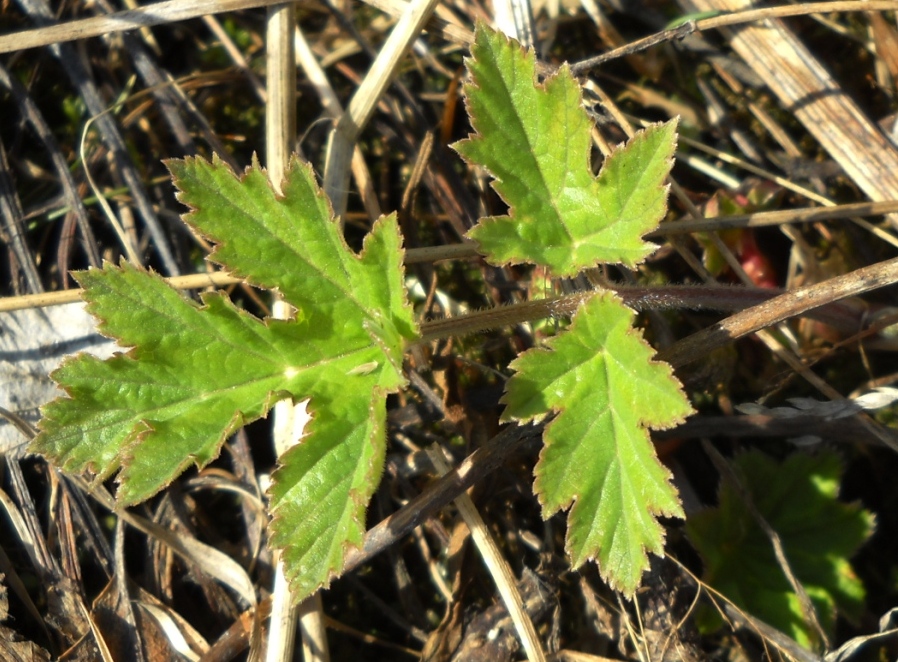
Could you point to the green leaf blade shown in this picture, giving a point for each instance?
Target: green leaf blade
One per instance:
(196, 375)
(198, 372)
(535, 140)
(291, 243)
(799, 499)
(599, 378)
(320, 492)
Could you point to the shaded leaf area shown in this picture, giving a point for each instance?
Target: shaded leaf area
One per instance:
(535, 140)
(198, 373)
(599, 378)
(799, 499)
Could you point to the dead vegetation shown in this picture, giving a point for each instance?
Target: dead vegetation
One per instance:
(786, 180)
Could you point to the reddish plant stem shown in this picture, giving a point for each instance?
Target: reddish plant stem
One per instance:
(842, 315)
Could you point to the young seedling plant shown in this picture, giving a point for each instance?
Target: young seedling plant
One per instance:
(196, 373)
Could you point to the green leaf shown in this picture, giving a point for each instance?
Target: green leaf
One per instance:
(600, 379)
(197, 373)
(535, 140)
(798, 498)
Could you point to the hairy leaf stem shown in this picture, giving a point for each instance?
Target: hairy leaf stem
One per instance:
(842, 315)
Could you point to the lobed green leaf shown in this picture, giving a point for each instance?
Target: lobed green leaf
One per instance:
(799, 499)
(599, 378)
(291, 244)
(196, 373)
(535, 140)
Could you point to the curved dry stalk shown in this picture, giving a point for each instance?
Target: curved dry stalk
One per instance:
(469, 250)
(728, 19)
(342, 139)
(777, 309)
(157, 13)
(280, 134)
(495, 563)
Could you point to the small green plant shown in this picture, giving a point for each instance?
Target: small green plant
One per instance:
(196, 373)
(798, 499)
(597, 376)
